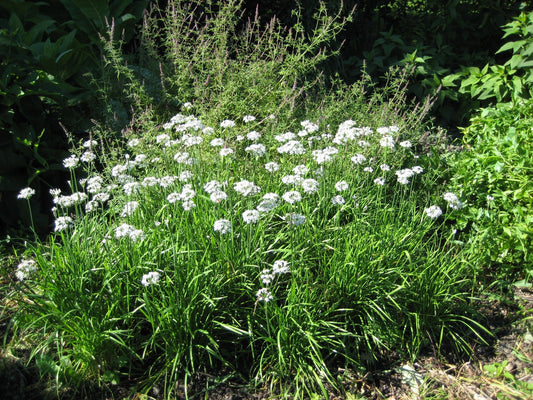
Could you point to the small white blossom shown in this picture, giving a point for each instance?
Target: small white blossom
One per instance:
(295, 219)
(217, 142)
(257, 149)
(25, 269)
(223, 226)
(280, 267)
(433, 211)
(151, 278)
(292, 197)
(26, 193)
(246, 188)
(338, 200)
(406, 144)
(63, 223)
(310, 185)
(253, 136)
(387, 141)
(453, 201)
(264, 294)
(341, 186)
(227, 123)
(248, 118)
(272, 166)
(88, 157)
(266, 276)
(250, 216)
(226, 151)
(379, 181)
(134, 143)
(71, 162)
(129, 208)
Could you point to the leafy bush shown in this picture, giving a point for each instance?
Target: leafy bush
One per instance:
(514, 79)
(48, 48)
(493, 173)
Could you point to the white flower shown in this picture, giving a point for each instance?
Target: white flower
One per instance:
(358, 159)
(71, 162)
(239, 138)
(253, 136)
(89, 144)
(212, 186)
(218, 196)
(187, 192)
(292, 197)
(368, 169)
(385, 167)
(131, 187)
(88, 157)
(246, 188)
(208, 130)
(134, 143)
(55, 192)
(292, 147)
(248, 118)
(295, 219)
(341, 186)
(310, 185)
(453, 201)
(227, 123)
(264, 294)
(123, 230)
(25, 269)
(91, 206)
(403, 175)
(387, 141)
(266, 276)
(292, 179)
(151, 278)
(280, 267)
(166, 181)
(406, 144)
(417, 169)
(268, 203)
(217, 142)
(226, 151)
(272, 166)
(250, 216)
(338, 200)
(223, 226)
(181, 157)
(284, 137)
(62, 223)
(94, 184)
(433, 211)
(129, 208)
(190, 140)
(300, 170)
(185, 176)
(491, 198)
(187, 105)
(379, 181)
(257, 149)
(137, 234)
(26, 193)
(188, 205)
(118, 170)
(309, 126)
(173, 197)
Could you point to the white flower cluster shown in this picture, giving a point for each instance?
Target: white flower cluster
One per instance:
(25, 269)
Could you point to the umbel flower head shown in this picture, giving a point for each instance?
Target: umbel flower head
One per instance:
(26, 193)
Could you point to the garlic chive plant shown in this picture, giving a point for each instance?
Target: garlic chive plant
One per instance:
(310, 251)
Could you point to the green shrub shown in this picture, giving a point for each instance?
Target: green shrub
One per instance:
(493, 173)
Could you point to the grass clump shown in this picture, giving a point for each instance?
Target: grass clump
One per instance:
(273, 256)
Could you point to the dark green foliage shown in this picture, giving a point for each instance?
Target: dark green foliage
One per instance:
(48, 49)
